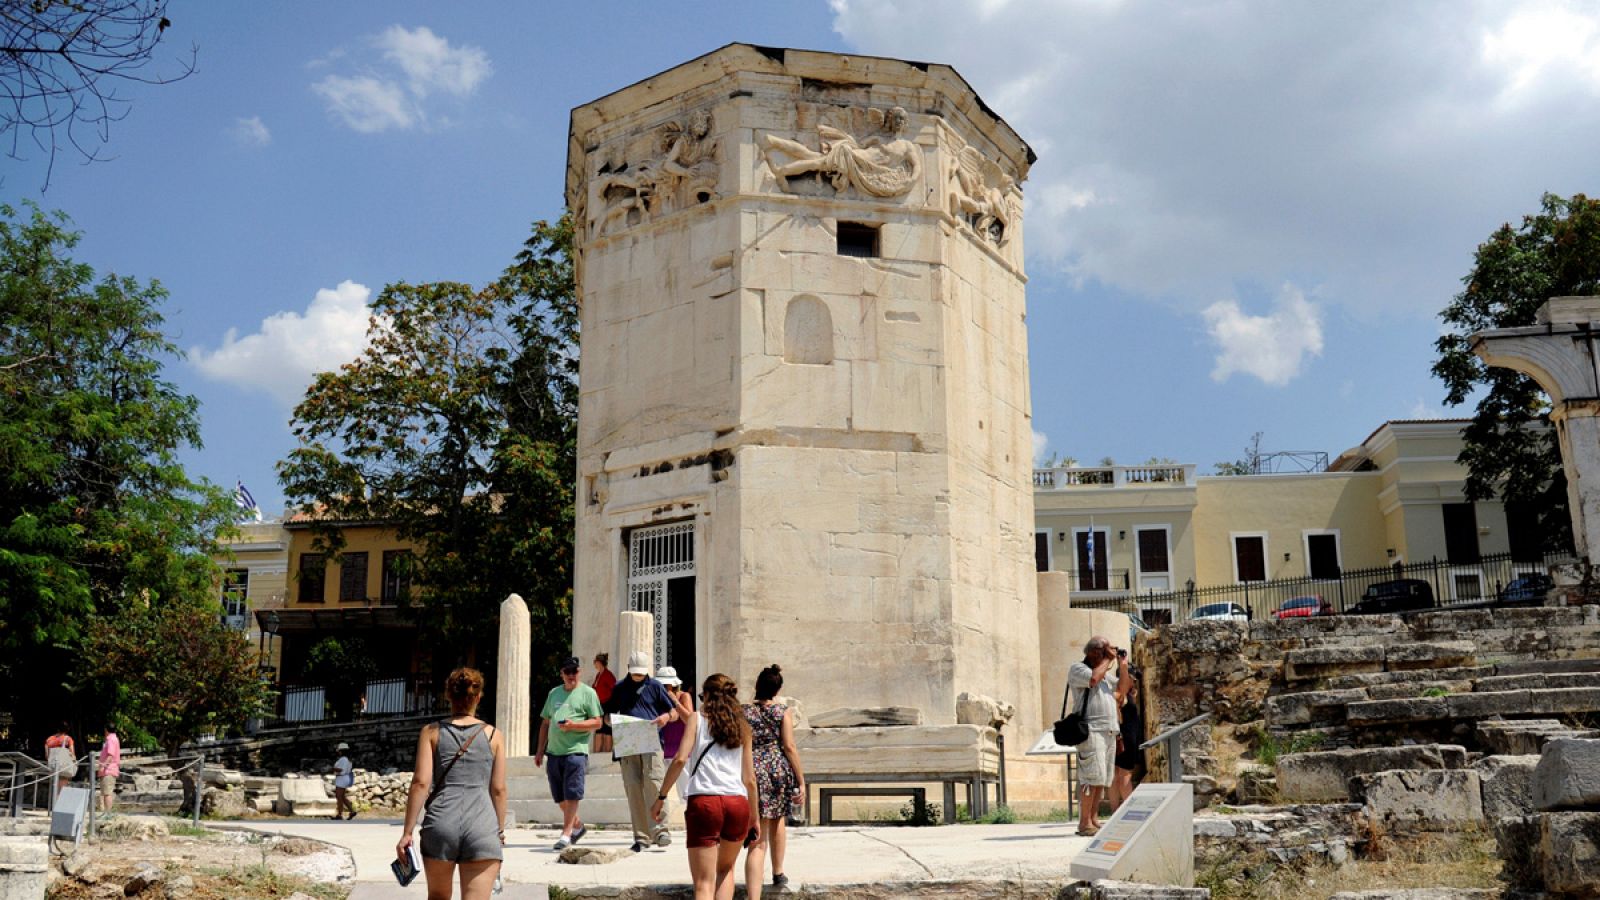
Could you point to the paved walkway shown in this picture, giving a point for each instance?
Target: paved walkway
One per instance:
(816, 855)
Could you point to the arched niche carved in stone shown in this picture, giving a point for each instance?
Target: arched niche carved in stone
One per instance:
(807, 331)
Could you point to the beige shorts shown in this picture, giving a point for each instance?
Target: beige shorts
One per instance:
(1095, 759)
(107, 785)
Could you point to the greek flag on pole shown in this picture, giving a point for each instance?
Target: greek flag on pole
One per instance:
(241, 497)
(1088, 545)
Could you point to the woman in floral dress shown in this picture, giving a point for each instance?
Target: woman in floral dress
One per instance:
(779, 780)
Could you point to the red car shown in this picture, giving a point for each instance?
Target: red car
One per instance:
(1309, 605)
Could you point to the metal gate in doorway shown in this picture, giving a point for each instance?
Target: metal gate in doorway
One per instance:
(661, 582)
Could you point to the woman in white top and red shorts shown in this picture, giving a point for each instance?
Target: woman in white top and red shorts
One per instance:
(721, 788)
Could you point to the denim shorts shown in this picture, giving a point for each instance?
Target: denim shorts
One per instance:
(566, 774)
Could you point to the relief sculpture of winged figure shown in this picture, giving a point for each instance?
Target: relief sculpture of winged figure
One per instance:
(981, 195)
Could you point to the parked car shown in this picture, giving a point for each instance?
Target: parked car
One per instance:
(1402, 595)
(1527, 590)
(1222, 612)
(1300, 607)
(1136, 627)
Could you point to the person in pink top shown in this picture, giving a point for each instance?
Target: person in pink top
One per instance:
(109, 767)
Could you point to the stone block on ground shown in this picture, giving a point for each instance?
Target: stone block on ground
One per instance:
(24, 866)
(303, 790)
(1412, 800)
(1519, 737)
(1387, 712)
(1570, 850)
(146, 877)
(1558, 852)
(594, 856)
(1324, 775)
(1323, 662)
(1305, 707)
(222, 804)
(856, 717)
(1507, 785)
(1568, 775)
(1430, 654)
(979, 709)
(135, 828)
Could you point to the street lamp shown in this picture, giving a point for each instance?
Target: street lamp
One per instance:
(269, 630)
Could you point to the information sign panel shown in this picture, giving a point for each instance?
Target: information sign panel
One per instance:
(1149, 839)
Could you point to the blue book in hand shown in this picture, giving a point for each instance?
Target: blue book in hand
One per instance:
(406, 870)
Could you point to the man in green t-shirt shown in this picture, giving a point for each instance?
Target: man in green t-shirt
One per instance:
(574, 707)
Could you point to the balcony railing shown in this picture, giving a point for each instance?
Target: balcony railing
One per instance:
(1087, 581)
(1066, 478)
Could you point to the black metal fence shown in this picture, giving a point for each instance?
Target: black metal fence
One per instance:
(1485, 580)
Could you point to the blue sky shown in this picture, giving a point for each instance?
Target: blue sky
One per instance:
(1245, 216)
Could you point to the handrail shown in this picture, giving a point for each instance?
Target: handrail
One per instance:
(1171, 737)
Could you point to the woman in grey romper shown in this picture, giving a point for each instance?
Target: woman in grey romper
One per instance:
(459, 792)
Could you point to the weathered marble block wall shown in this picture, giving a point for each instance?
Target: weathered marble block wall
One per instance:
(850, 435)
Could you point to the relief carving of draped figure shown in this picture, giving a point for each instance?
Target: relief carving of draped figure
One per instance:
(886, 164)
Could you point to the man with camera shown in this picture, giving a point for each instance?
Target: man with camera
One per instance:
(1098, 675)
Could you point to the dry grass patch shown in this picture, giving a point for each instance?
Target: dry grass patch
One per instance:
(1459, 860)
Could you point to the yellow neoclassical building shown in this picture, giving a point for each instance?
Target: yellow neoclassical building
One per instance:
(254, 581)
(1137, 533)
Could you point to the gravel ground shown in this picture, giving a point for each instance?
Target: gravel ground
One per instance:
(222, 864)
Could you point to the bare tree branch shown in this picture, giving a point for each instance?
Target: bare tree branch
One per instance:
(60, 66)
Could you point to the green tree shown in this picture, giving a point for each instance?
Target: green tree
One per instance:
(457, 427)
(173, 671)
(95, 509)
(1510, 452)
(343, 665)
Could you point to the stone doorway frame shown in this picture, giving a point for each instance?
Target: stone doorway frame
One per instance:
(656, 555)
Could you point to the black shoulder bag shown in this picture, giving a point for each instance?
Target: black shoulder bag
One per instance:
(1070, 731)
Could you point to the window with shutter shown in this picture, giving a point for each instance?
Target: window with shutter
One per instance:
(353, 577)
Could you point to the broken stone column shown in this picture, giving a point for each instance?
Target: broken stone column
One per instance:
(1560, 354)
(511, 709)
(636, 633)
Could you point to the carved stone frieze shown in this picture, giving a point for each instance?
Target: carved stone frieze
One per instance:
(885, 164)
(680, 171)
(982, 195)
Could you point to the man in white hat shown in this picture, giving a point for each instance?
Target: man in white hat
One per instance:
(344, 778)
(642, 697)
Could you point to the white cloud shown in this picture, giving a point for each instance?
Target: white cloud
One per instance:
(290, 348)
(251, 132)
(1544, 41)
(366, 104)
(1187, 151)
(1274, 347)
(1041, 442)
(430, 63)
(391, 90)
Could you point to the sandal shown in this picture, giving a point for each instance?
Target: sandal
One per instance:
(1088, 832)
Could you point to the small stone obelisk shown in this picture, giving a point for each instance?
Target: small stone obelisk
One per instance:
(512, 689)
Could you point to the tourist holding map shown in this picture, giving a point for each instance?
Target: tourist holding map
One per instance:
(638, 708)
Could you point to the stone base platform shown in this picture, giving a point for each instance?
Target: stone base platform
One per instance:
(604, 801)
(982, 859)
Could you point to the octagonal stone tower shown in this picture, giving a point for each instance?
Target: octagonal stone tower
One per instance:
(804, 433)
